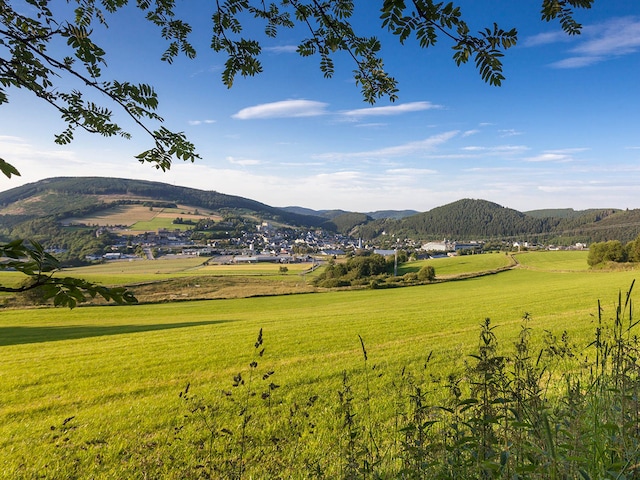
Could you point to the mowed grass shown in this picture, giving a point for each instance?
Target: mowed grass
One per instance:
(572, 261)
(158, 223)
(130, 214)
(448, 266)
(118, 370)
(130, 272)
(118, 215)
(265, 268)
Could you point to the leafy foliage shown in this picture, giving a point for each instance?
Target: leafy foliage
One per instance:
(31, 259)
(614, 251)
(28, 63)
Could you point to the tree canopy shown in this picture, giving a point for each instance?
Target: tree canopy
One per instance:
(44, 42)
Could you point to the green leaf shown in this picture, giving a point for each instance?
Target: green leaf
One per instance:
(7, 169)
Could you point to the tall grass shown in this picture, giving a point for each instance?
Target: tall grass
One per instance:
(559, 412)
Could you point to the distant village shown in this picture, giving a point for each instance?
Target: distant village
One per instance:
(270, 244)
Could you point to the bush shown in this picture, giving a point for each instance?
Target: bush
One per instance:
(410, 277)
(427, 273)
(333, 283)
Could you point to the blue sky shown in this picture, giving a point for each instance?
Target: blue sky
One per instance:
(563, 130)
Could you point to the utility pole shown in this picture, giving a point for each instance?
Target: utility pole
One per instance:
(395, 262)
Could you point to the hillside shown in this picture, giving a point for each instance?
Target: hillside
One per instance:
(22, 209)
(469, 219)
(67, 195)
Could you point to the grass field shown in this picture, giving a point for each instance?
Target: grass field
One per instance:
(562, 261)
(157, 223)
(139, 214)
(449, 266)
(118, 370)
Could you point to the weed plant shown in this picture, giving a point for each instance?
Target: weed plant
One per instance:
(558, 412)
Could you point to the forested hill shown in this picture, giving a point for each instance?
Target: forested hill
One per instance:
(474, 219)
(469, 219)
(76, 187)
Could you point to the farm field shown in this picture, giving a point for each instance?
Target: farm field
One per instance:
(118, 370)
(561, 261)
(449, 266)
(141, 217)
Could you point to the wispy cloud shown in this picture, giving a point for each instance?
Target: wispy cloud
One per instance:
(282, 49)
(497, 149)
(468, 133)
(614, 38)
(282, 109)
(391, 109)
(200, 122)
(547, 38)
(564, 155)
(19, 148)
(405, 149)
(411, 171)
(370, 125)
(509, 132)
(550, 157)
(243, 162)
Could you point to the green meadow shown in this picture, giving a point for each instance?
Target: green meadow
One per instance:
(157, 223)
(117, 372)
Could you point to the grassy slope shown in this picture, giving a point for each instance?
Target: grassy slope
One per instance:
(118, 370)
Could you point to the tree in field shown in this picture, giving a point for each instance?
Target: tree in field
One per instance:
(45, 44)
(633, 250)
(602, 252)
(427, 273)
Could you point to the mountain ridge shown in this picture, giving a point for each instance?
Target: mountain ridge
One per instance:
(464, 219)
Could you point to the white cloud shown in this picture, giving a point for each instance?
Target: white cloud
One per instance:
(200, 122)
(410, 148)
(282, 109)
(411, 171)
(551, 157)
(302, 164)
(557, 156)
(391, 109)
(546, 38)
(19, 148)
(619, 36)
(509, 132)
(468, 133)
(9, 138)
(576, 62)
(243, 162)
(282, 49)
(371, 125)
(597, 43)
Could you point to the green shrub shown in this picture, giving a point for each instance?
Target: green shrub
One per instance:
(333, 283)
(427, 273)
